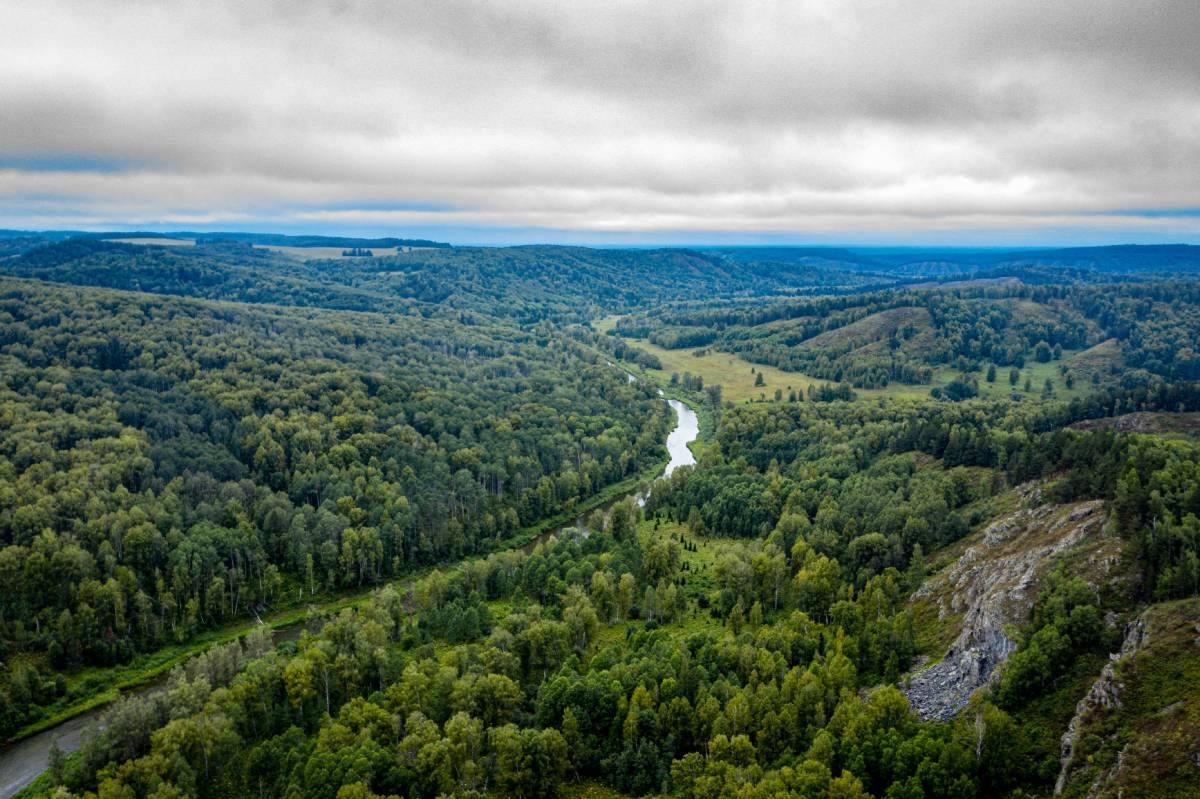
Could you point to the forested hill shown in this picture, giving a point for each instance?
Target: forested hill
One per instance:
(1161, 260)
(262, 239)
(521, 283)
(1113, 332)
(224, 270)
(169, 464)
(530, 283)
(578, 283)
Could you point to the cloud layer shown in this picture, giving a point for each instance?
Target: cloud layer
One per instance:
(809, 120)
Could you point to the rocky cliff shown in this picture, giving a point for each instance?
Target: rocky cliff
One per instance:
(989, 589)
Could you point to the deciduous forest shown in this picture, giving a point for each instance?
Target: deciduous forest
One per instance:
(941, 539)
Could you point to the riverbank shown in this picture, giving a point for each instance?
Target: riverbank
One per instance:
(144, 669)
(105, 684)
(33, 741)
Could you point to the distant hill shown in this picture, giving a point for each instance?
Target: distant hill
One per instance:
(1034, 265)
(531, 283)
(268, 239)
(15, 242)
(523, 283)
(225, 271)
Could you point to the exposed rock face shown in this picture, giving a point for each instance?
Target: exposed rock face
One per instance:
(1145, 422)
(1105, 692)
(993, 585)
(944, 688)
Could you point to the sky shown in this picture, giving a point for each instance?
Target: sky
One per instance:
(870, 122)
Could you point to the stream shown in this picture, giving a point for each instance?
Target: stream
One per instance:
(22, 762)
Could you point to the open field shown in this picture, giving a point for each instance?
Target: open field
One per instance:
(731, 372)
(736, 379)
(737, 376)
(325, 253)
(163, 242)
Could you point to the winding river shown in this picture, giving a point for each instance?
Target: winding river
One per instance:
(687, 427)
(22, 762)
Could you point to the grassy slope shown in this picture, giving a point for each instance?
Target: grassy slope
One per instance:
(734, 374)
(1149, 745)
(869, 328)
(729, 371)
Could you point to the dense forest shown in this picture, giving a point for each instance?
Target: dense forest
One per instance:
(904, 581)
(168, 464)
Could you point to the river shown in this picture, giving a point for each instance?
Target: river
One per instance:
(22, 762)
(687, 427)
(686, 430)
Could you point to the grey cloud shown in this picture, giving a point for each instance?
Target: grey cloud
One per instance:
(663, 116)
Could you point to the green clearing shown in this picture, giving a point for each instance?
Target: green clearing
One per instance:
(1036, 373)
(737, 376)
(696, 569)
(590, 790)
(732, 373)
(697, 565)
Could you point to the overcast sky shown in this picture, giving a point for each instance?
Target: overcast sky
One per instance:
(856, 121)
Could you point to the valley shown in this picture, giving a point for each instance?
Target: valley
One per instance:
(896, 531)
(599, 400)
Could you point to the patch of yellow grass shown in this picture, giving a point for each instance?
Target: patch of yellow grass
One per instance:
(732, 373)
